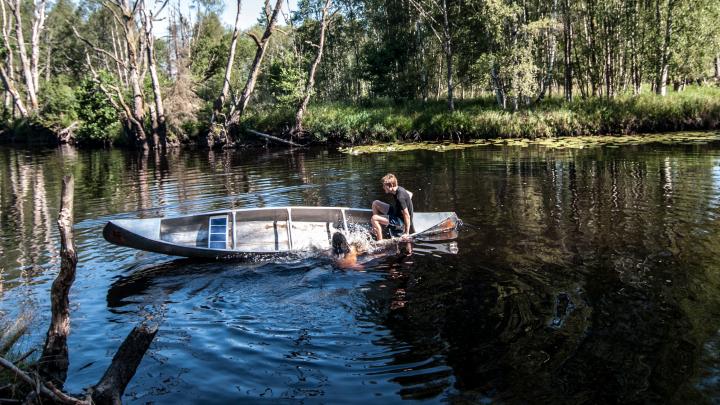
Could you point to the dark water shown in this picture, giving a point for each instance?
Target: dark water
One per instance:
(581, 276)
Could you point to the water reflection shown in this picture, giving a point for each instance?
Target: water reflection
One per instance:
(582, 276)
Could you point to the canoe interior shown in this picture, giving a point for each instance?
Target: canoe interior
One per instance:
(262, 230)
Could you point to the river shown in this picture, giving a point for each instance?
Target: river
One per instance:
(579, 275)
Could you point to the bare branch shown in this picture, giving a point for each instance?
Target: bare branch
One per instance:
(312, 44)
(96, 49)
(135, 6)
(46, 389)
(427, 16)
(115, 16)
(161, 8)
(255, 38)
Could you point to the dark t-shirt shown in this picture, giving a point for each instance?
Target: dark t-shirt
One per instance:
(401, 200)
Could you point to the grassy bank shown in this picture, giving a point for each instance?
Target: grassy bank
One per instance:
(377, 121)
(697, 108)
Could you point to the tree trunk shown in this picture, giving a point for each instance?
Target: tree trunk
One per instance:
(664, 66)
(568, 36)
(10, 88)
(37, 28)
(160, 127)
(447, 45)
(54, 360)
(6, 70)
(135, 123)
(297, 129)
(255, 68)
(717, 67)
(220, 101)
(499, 91)
(545, 82)
(26, 64)
(594, 75)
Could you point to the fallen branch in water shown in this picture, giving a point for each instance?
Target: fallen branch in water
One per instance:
(273, 138)
(46, 389)
(124, 364)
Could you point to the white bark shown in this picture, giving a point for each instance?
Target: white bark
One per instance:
(160, 125)
(313, 68)
(220, 102)
(37, 28)
(665, 50)
(24, 60)
(262, 44)
(132, 40)
(8, 76)
(444, 36)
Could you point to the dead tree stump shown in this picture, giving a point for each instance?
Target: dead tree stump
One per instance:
(54, 360)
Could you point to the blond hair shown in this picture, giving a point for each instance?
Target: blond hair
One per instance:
(390, 179)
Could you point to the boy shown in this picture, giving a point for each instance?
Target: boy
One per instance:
(396, 216)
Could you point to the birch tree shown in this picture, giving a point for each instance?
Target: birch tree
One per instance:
(28, 63)
(261, 44)
(132, 54)
(7, 68)
(307, 92)
(440, 25)
(664, 50)
(159, 126)
(219, 104)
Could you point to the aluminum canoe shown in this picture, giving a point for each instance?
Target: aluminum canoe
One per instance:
(255, 233)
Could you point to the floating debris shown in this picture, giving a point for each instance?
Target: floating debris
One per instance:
(577, 142)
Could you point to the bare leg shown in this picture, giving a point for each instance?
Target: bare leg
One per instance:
(378, 219)
(380, 208)
(376, 222)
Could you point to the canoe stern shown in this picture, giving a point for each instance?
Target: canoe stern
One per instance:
(132, 232)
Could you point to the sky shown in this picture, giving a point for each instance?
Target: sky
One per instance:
(249, 13)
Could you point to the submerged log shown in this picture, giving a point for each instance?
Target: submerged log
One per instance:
(54, 360)
(124, 364)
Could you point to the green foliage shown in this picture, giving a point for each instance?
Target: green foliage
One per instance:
(66, 52)
(100, 123)
(59, 103)
(285, 81)
(209, 55)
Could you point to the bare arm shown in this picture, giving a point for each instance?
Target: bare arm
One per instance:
(406, 220)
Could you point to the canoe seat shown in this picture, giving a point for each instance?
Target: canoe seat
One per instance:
(218, 232)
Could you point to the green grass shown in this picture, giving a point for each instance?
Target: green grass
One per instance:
(697, 108)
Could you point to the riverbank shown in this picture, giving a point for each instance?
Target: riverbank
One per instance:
(380, 121)
(693, 109)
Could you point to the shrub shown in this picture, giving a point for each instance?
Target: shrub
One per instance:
(59, 103)
(100, 123)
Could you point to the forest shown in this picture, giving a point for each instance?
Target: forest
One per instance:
(101, 72)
